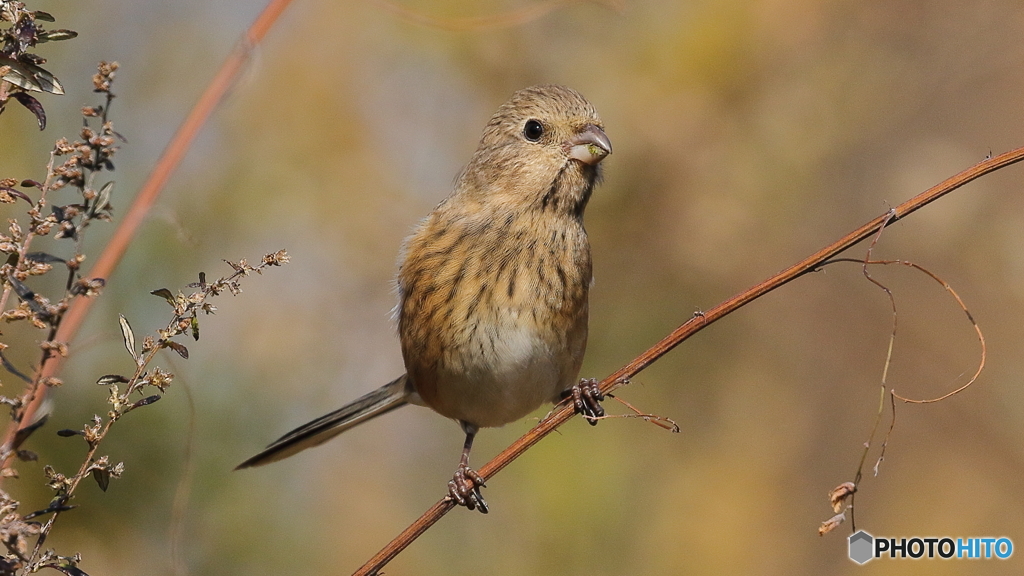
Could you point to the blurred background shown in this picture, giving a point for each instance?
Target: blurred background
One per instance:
(747, 134)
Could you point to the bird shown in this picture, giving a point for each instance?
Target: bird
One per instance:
(493, 285)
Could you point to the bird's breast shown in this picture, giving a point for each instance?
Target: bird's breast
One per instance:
(493, 318)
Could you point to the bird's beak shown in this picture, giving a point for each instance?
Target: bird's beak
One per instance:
(589, 145)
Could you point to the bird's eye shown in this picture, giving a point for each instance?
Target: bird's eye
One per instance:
(533, 130)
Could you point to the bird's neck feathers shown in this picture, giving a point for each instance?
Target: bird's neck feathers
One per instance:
(559, 189)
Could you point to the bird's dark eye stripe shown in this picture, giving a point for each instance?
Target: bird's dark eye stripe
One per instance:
(533, 130)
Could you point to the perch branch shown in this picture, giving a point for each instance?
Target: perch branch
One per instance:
(563, 412)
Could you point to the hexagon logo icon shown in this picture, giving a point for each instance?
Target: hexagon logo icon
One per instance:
(861, 547)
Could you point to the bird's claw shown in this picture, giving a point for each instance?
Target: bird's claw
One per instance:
(464, 489)
(586, 400)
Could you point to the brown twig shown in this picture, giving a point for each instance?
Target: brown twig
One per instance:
(851, 492)
(831, 523)
(659, 421)
(970, 317)
(172, 156)
(563, 412)
(882, 385)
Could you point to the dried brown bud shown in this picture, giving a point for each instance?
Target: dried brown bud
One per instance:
(61, 348)
(39, 268)
(278, 258)
(87, 286)
(837, 497)
(15, 315)
(63, 147)
(43, 228)
(831, 524)
(91, 434)
(161, 379)
(15, 230)
(105, 73)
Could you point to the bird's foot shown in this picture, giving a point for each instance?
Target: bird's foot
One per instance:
(586, 399)
(464, 489)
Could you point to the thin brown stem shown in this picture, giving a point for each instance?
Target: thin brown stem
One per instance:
(563, 412)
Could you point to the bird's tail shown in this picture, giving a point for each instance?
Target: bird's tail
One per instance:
(384, 399)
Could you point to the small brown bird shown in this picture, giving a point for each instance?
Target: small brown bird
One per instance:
(493, 284)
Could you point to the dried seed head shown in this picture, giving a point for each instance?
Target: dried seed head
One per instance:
(51, 382)
(63, 147)
(838, 495)
(60, 348)
(831, 524)
(105, 73)
(278, 258)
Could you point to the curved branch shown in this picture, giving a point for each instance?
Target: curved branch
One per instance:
(563, 412)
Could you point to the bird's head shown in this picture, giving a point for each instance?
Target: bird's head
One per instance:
(544, 146)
